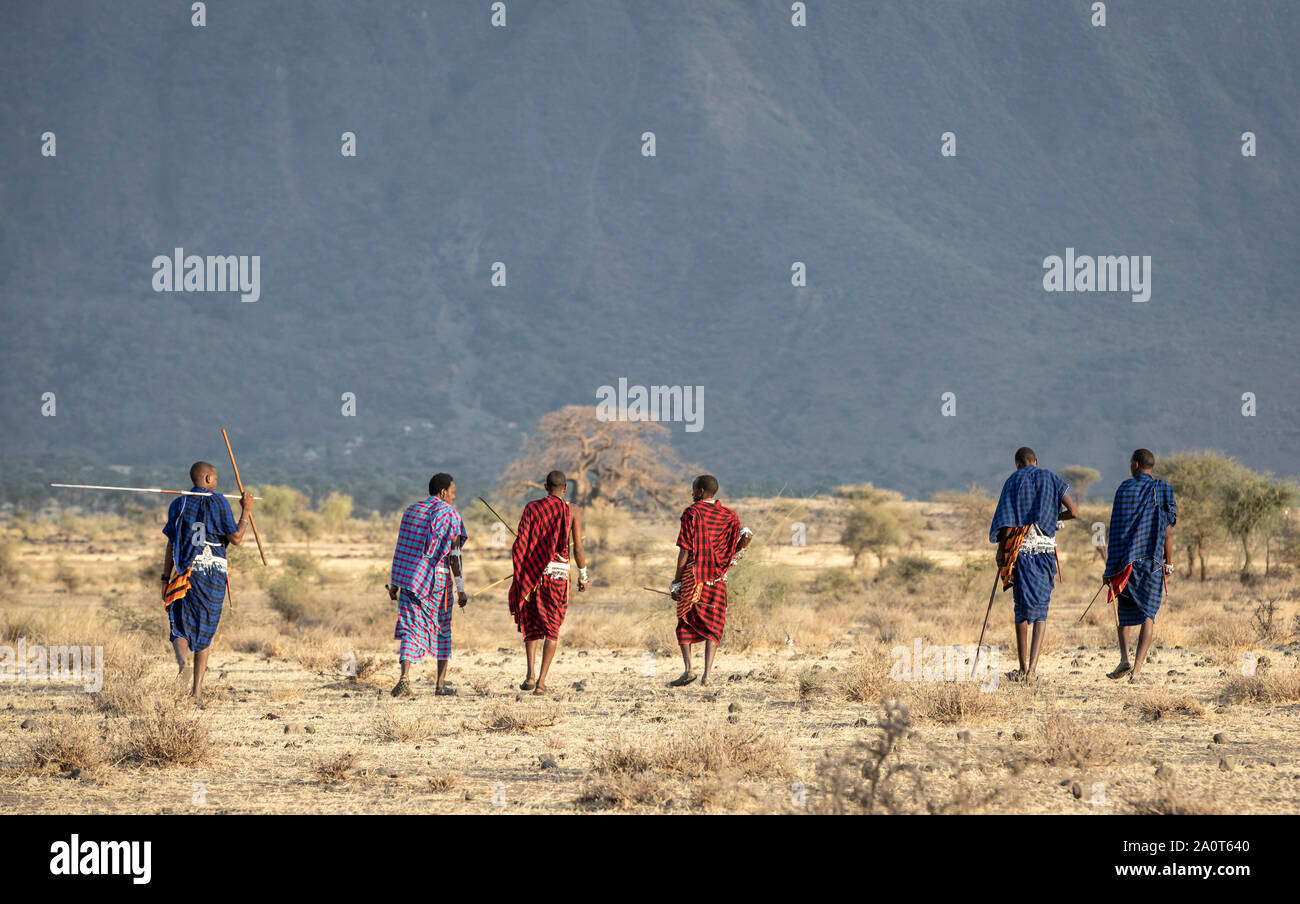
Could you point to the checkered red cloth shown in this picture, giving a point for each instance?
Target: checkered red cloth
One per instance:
(538, 604)
(709, 533)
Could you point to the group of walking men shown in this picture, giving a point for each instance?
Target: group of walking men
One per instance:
(1032, 504)
(427, 580)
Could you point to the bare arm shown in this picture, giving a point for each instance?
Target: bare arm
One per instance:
(245, 512)
(1071, 510)
(575, 529)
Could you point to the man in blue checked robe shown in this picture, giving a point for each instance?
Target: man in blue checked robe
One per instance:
(1036, 499)
(1142, 519)
(194, 576)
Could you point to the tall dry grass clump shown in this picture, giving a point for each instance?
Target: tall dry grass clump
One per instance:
(707, 749)
(64, 743)
(166, 737)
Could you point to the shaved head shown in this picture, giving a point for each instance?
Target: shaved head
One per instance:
(199, 469)
(1145, 459)
(706, 484)
(556, 481)
(1026, 456)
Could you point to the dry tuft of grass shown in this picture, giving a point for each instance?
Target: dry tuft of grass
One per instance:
(392, 727)
(864, 679)
(623, 791)
(1066, 741)
(1265, 688)
(813, 682)
(63, 744)
(1158, 704)
(166, 737)
(518, 720)
(1168, 799)
(341, 768)
(952, 702)
(709, 749)
(442, 782)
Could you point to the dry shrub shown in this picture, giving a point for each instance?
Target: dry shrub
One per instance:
(166, 737)
(709, 749)
(130, 687)
(442, 782)
(951, 702)
(1158, 704)
(864, 679)
(518, 720)
(870, 776)
(1168, 799)
(1265, 688)
(813, 682)
(65, 743)
(622, 791)
(1066, 741)
(391, 727)
(341, 768)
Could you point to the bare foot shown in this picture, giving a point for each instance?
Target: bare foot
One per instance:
(541, 689)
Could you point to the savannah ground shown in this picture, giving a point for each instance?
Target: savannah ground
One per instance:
(298, 719)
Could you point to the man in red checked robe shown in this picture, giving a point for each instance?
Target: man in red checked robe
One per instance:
(539, 594)
(710, 541)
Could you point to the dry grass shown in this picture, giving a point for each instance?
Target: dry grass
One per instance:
(953, 702)
(865, 679)
(1159, 704)
(342, 768)
(391, 727)
(707, 749)
(813, 682)
(1266, 688)
(443, 782)
(623, 791)
(65, 743)
(518, 719)
(166, 737)
(1168, 799)
(1067, 741)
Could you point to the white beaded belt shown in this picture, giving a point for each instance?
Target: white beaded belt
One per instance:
(1036, 542)
(557, 570)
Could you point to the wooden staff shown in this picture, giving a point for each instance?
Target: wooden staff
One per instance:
(499, 518)
(493, 584)
(992, 593)
(1094, 599)
(240, 483)
(652, 590)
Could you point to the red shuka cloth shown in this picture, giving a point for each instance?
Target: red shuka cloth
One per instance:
(538, 605)
(709, 533)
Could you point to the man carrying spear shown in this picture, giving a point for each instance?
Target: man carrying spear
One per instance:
(199, 526)
(425, 562)
(539, 595)
(708, 543)
(1028, 510)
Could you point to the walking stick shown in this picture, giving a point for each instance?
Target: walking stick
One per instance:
(493, 584)
(992, 594)
(240, 483)
(499, 518)
(652, 590)
(1094, 599)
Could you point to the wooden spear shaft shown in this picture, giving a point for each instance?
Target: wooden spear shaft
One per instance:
(992, 593)
(240, 484)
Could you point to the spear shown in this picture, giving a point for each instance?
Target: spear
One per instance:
(87, 486)
(240, 484)
(1094, 599)
(499, 518)
(652, 590)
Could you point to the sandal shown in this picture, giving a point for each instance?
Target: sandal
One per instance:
(685, 679)
(445, 692)
(403, 688)
(528, 684)
(1120, 671)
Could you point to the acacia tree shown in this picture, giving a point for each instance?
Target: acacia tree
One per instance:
(1253, 506)
(1200, 481)
(1080, 478)
(871, 527)
(627, 462)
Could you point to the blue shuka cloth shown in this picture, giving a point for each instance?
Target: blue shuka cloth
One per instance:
(1032, 585)
(1031, 495)
(1144, 506)
(203, 552)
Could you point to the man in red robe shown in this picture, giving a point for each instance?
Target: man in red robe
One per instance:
(539, 594)
(710, 541)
